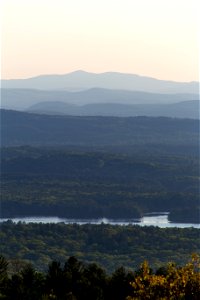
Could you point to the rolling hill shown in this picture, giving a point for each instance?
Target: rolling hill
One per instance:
(20, 128)
(185, 109)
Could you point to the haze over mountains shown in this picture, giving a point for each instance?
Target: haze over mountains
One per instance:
(107, 94)
(81, 80)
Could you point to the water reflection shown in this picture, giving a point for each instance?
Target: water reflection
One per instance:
(152, 219)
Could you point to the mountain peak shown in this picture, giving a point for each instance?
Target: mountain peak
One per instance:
(82, 80)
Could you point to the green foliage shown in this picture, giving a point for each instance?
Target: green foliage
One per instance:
(109, 246)
(59, 182)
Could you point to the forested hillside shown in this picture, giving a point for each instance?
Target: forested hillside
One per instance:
(78, 184)
(110, 246)
(19, 128)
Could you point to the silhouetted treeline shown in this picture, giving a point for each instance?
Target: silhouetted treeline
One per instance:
(80, 281)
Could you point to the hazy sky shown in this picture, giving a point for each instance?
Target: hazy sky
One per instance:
(157, 38)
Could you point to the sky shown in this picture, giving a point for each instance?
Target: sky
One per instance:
(156, 38)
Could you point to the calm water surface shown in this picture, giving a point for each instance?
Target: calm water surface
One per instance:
(160, 220)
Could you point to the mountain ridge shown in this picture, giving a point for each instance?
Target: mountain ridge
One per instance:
(21, 99)
(113, 80)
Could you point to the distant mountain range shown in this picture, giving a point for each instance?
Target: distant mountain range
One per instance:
(107, 94)
(103, 102)
(81, 80)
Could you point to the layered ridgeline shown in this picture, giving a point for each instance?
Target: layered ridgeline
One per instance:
(99, 102)
(99, 166)
(107, 94)
(80, 80)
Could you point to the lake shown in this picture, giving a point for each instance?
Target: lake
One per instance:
(152, 219)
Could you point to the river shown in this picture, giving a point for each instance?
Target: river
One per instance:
(153, 219)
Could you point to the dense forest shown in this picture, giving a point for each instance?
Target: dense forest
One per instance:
(95, 167)
(83, 167)
(18, 128)
(78, 184)
(110, 246)
(75, 280)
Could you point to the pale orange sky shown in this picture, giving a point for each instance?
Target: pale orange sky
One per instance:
(147, 37)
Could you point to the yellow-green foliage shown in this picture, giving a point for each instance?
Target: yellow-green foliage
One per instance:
(177, 283)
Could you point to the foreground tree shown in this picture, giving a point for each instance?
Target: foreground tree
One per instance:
(3, 275)
(78, 281)
(25, 285)
(119, 284)
(176, 283)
